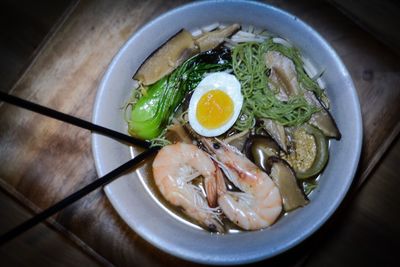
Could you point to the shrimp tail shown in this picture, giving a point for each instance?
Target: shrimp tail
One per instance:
(220, 182)
(210, 185)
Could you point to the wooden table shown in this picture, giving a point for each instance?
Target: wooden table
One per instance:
(43, 160)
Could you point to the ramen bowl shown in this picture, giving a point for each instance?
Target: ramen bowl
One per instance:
(133, 196)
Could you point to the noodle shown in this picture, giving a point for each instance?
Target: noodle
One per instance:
(259, 99)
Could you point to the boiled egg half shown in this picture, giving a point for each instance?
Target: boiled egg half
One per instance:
(215, 104)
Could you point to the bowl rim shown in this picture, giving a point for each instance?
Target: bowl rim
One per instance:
(358, 127)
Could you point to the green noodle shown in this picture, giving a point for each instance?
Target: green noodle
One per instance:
(294, 54)
(259, 99)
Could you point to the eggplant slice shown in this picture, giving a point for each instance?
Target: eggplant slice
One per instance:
(311, 152)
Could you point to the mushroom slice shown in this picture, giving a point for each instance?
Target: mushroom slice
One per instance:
(259, 149)
(210, 40)
(283, 73)
(168, 57)
(277, 132)
(323, 120)
(275, 84)
(284, 177)
(238, 140)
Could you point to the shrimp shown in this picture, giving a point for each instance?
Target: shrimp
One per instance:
(174, 167)
(260, 202)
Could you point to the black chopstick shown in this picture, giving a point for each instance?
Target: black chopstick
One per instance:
(71, 119)
(133, 163)
(90, 187)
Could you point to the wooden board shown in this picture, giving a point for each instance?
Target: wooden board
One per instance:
(51, 247)
(43, 160)
(23, 26)
(380, 18)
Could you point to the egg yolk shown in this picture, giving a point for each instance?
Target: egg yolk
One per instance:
(214, 109)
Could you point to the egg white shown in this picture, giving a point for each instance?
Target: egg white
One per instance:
(225, 82)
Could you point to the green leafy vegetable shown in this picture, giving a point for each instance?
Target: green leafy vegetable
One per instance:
(153, 111)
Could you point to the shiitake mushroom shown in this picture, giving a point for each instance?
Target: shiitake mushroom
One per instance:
(264, 152)
(258, 148)
(170, 55)
(284, 177)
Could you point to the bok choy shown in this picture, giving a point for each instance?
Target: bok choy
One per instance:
(154, 110)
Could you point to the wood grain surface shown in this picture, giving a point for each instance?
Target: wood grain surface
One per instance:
(380, 18)
(23, 26)
(43, 160)
(51, 248)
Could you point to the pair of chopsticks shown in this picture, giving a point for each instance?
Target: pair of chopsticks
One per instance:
(129, 165)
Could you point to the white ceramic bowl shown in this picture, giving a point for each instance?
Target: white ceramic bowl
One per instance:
(133, 199)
